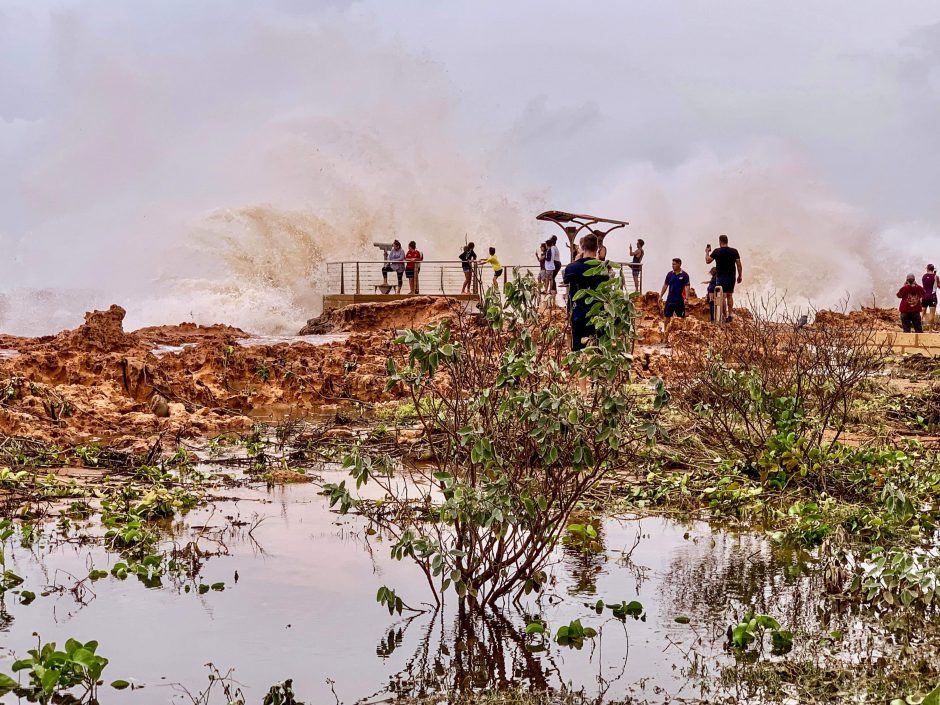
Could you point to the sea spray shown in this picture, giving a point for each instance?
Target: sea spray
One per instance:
(208, 178)
(795, 236)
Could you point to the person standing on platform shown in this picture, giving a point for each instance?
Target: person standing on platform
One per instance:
(493, 261)
(467, 258)
(637, 265)
(553, 263)
(395, 262)
(413, 259)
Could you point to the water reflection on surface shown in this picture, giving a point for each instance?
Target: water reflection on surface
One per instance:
(303, 607)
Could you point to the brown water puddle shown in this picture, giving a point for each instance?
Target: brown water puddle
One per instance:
(303, 607)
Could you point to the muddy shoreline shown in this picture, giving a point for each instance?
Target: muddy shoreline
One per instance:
(189, 475)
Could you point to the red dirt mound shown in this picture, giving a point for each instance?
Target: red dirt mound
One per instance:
(98, 382)
(414, 312)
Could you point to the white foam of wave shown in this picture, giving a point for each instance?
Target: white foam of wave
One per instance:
(794, 234)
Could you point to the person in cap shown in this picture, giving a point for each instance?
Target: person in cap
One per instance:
(912, 302)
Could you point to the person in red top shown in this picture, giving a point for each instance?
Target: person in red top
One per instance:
(912, 296)
(413, 259)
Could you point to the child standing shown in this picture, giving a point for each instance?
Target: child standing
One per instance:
(412, 266)
(712, 283)
(493, 261)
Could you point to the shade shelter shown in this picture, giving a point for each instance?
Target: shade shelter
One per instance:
(574, 223)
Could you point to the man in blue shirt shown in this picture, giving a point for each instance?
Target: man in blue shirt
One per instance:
(676, 291)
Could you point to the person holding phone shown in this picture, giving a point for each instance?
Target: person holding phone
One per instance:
(730, 271)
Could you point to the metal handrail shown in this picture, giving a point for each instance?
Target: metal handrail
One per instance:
(446, 275)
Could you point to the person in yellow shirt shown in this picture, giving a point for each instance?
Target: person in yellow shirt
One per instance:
(493, 261)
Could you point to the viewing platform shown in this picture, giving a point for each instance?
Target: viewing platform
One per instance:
(356, 282)
(332, 301)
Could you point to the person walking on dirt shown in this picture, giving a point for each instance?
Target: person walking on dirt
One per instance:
(467, 258)
(394, 262)
(728, 263)
(637, 265)
(493, 261)
(577, 279)
(413, 259)
(929, 282)
(912, 302)
(552, 262)
(676, 291)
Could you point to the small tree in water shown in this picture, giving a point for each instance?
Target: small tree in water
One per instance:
(515, 444)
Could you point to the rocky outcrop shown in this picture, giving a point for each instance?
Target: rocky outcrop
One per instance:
(102, 330)
(98, 381)
(413, 312)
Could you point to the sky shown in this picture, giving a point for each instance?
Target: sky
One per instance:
(200, 160)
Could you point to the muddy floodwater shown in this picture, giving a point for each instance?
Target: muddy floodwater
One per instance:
(303, 606)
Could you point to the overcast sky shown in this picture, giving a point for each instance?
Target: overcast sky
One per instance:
(130, 130)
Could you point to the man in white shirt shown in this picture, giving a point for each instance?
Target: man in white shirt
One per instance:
(552, 261)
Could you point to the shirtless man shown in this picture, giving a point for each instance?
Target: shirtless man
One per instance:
(637, 255)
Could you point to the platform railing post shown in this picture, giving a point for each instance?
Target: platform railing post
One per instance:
(342, 278)
(357, 277)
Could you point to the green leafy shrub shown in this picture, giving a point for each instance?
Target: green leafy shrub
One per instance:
(773, 393)
(52, 672)
(574, 634)
(751, 630)
(514, 443)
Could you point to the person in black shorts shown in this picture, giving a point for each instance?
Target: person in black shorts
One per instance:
(676, 291)
(637, 265)
(577, 280)
(467, 258)
(728, 263)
